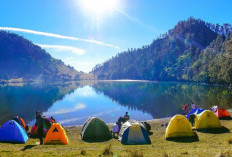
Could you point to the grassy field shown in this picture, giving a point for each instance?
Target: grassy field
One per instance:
(209, 144)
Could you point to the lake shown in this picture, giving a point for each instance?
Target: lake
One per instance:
(73, 102)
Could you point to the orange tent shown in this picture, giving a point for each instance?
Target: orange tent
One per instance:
(56, 135)
(222, 113)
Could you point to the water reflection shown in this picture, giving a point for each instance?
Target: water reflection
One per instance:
(25, 100)
(164, 99)
(84, 102)
(72, 103)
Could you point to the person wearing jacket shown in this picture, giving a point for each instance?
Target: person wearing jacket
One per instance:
(39, 123)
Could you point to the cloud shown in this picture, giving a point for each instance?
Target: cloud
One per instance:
(69, 110)
(74, 50)
(86, 91)
(58, 36)
(93, 115)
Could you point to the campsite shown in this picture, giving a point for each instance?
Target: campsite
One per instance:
(115, 78)
(210, 143)
(200, 132)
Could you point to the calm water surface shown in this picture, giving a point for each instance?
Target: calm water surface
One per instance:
(72, 103)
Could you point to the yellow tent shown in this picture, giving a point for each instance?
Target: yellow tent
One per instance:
(56, 135)
(206, 120)
(179, 126)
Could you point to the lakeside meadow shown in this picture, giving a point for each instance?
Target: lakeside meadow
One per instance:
(209, 144)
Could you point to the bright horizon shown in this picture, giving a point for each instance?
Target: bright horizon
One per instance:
(83, 33)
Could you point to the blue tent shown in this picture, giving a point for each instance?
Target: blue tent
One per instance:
(195, 111)
(11, 131)
(134, 135)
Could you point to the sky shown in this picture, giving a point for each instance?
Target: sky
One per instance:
(84, 33)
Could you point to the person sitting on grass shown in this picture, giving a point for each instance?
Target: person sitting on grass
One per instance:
(122, 120)
(126, 117)
(214, 108)
(115, 130)
(193, 106)
(119, 123)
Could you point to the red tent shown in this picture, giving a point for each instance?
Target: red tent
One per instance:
(222, 113)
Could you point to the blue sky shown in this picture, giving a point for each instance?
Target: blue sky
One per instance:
(91, 33)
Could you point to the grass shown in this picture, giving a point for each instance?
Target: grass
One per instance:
(229, 141)
(83, 152)
(108, 151)
(209, 144)
(165, 154)
(225, 154)
(136, 153)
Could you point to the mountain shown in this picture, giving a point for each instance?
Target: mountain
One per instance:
(174, 56)
(20, 58)
(214, 64)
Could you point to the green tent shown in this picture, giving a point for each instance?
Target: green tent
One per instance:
(94, 130)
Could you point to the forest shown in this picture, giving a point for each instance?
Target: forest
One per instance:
(193, 51)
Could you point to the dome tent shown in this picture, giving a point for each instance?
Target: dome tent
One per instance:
(206, 120)
(194, 111)
(133, 132)
(56, 135)
(94, 130)
(179, 126)
(222, 113)
(11, 131)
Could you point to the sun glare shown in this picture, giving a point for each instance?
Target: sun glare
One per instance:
(99, 7)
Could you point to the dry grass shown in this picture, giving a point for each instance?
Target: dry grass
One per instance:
(209, 144)
(225, 154)
(165, 154)
(135, 153)
(83, 152)
(107, 151)
(229, 141)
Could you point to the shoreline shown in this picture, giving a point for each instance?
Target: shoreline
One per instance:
(20, 81)
(112, 124)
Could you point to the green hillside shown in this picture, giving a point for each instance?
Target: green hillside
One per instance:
(193, 50)
(20, 58)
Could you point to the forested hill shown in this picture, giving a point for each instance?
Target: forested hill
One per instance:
(20, 58)
(192, 51)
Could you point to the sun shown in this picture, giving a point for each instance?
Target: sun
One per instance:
(99, 7)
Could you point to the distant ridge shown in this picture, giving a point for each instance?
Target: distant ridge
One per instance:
(21, 59)
(193, 50)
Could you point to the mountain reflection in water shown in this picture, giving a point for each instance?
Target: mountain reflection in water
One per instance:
(72, 103)
(161, 99)
(27, 99)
